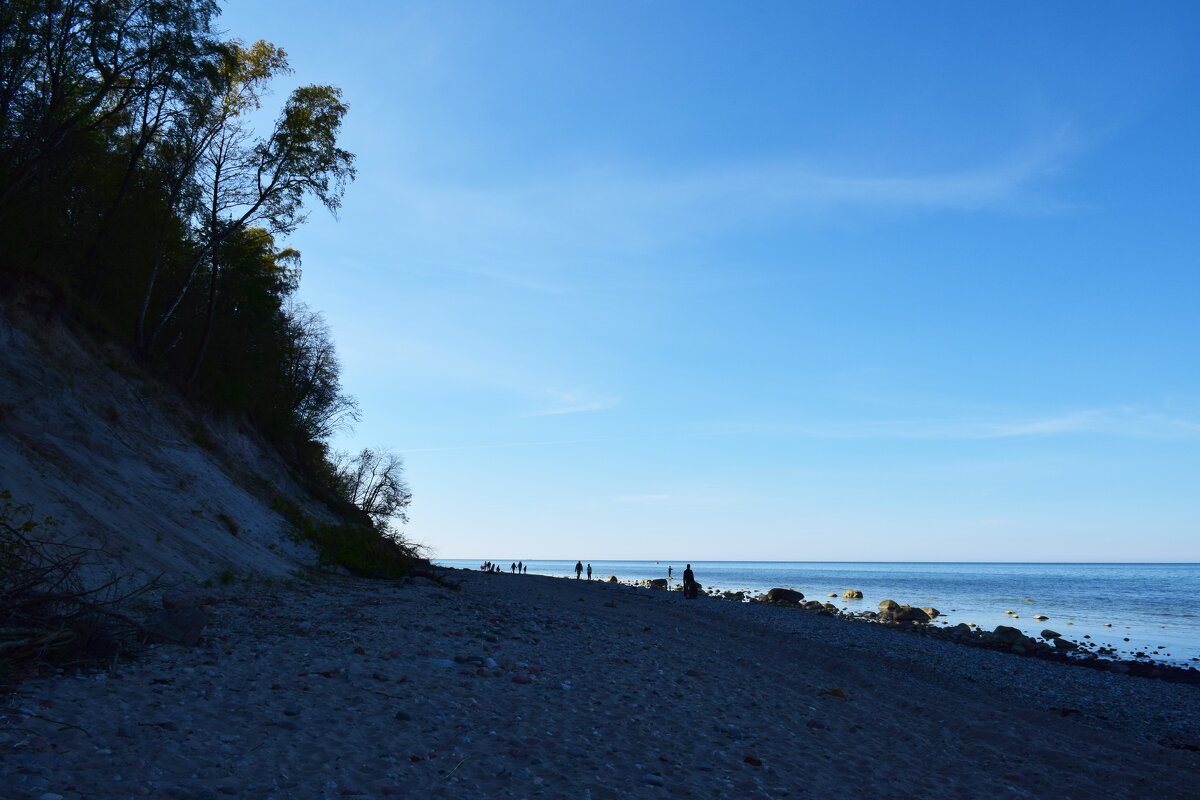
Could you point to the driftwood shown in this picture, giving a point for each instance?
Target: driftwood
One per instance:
(46, 610)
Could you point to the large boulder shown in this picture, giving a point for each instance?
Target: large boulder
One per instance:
(613, 579)
(785, 596)
(1006, 633)
(888, 606)
(812, 605)
(180, 625)
(852, 594)
(657, 583)
(959, 631)
(1050, 635)
(931, 612)
(910, 614)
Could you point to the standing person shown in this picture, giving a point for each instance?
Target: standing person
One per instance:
(669, 568)
(578, 569)
(520, 567)
(589, 571)
(689, 582)
(513, 568)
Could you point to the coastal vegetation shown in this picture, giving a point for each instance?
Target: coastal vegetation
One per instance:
(138, 192)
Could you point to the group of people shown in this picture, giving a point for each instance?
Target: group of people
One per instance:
(690, 586)
(516, 568)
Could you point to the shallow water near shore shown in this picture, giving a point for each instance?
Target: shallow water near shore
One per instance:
(1153, 605)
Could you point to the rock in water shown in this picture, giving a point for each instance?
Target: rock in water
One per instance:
(888, 606)
(1006, 633)
(910, 614)
(852, 594)
(785, 596)
(1049, 634)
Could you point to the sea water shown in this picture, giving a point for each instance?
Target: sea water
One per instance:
(1155, 606)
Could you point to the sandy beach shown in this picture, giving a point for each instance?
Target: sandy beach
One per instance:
(528, 686)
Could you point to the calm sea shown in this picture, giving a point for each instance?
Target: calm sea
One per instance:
(1155, 606)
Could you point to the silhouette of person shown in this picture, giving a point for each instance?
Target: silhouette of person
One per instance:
(669, 568)
(589, 572)
(520, 567)
(689, 582)
(513, 568)
(578, 569)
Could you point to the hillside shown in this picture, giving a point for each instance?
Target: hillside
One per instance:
(128, 467)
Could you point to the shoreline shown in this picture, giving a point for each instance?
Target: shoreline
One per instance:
(1079, 652)
(543, 687)
(1112, 628)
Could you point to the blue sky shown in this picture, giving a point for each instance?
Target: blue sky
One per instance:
(793, 281)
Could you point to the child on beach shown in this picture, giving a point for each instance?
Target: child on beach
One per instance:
(589, 572)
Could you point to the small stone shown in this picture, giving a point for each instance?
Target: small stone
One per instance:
(403, 716)
(654, 780)
(522, 679)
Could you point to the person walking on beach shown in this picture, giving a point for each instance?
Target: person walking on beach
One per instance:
(589, 572)
(689, 582)
(578, 569)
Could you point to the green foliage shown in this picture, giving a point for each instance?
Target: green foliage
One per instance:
(361, 549)
(133, 183)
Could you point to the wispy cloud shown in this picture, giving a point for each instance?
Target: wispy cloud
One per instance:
(522, 232)
(1114, 422)
(575, 402)
(1117, 422)
(643, 499)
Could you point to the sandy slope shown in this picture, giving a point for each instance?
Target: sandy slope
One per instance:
(570, 689)
(88, 438)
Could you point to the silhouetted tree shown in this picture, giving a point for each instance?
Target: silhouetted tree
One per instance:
(311, 370)
(373, 480)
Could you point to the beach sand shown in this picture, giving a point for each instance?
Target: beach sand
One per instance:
(528, 686)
